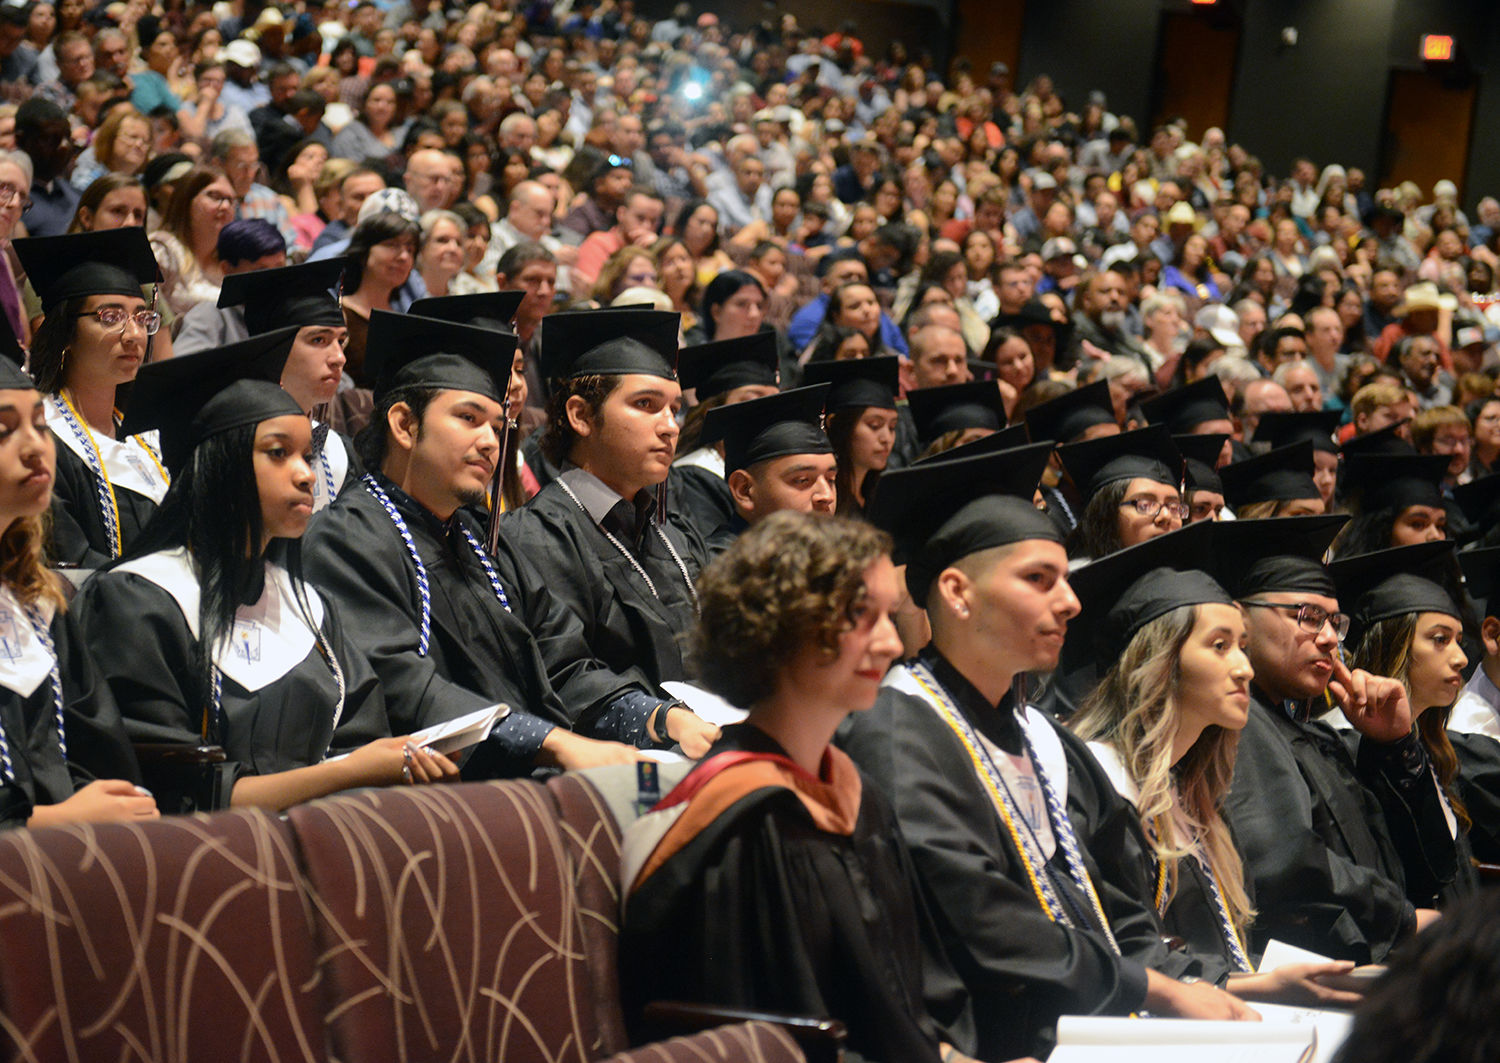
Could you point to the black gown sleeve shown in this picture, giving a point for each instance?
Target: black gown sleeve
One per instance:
(1109, 827)
(699, 497)
(1310, 891)
(347, 558)
(98, 747)
(1479, 790)
(763, 910)
(1022, 969)
(77, 538)
(144, 651)
(364, 718)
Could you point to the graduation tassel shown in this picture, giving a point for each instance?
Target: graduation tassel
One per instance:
(497, 500)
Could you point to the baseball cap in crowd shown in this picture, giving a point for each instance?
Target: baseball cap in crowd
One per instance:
(390, 201)
(1058, 247)
(1220, 322)
(240, 53)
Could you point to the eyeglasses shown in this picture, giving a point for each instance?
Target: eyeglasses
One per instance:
(1310, 618)
(219, 199)
(114, 317)
(1150, 507)
(10, 193)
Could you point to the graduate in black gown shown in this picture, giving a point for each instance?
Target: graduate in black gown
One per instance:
(302, 295)
(1404, 623)
(448, 628)
(1278, 483)
(95, 338)
(719, 374)
(206, 633)
(776, 458)
(1203, 489)
(1164, 724)
(980, 780)
(861, 422)
(1394, 496)
(1081, 414)
(774, 876)
(64, 757)
(495, 311)
(1281, 428)
(596, 534)
(1199, 408)
(1319, 852)
(955, 414)
(1132, 486)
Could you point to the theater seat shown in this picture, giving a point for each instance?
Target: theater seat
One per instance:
(178, 940)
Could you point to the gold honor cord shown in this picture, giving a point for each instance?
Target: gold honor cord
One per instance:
(1002, 802)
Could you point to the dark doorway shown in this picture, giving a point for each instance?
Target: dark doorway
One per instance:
(1428, 122)
(1195, 69)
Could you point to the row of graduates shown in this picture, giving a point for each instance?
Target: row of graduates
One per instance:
(205, 630)
(212, 621)
(938, 862)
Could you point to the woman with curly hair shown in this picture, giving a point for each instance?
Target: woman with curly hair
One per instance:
(1164, 722)
(771, 872)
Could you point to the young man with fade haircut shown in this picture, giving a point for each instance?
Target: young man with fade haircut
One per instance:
(776, 457)
(1334, 841)
(604, 546)
(447, 627)
(979, 779)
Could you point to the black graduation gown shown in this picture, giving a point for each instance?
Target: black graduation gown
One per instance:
(698, 496)
(79, 538)
(1318, 853)
(532, 658)
(146, 652)
(724, 535)
(1479, 790)
(762, 909)
(1191, 914)
(1437, 867)
(624, 624)
(1023, 970)
(97, 746)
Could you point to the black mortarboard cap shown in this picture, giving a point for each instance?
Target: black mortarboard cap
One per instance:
(1006, 439)
(1482, 578)
(1183, 409)
(857, 381)
(1275, 554)
(955, 407)
(108, 262)
(409, 351)
(1381, 441)
(1283, 427)
(1067, 417)
(1480, 501)
(12, 376)
(1200, 457)
(716, 368)
(1395, 481)
(299, 295)
(789, 422)
(1278, 475)
(491, 310)
(1147, 452)
(195, 396)
(614, 342)
(939, 512)
(1125, 591)
(1396, 582)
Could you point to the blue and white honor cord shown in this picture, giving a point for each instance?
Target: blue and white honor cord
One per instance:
(424, 590)
(44, 636)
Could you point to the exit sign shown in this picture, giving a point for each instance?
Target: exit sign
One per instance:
(1437, 48)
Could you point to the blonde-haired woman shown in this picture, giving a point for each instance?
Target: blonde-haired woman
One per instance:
(1164, 723)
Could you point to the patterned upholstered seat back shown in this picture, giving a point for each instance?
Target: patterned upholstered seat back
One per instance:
(179, 940)
(447, 925)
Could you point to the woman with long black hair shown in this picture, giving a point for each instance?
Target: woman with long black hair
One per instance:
(206, 632)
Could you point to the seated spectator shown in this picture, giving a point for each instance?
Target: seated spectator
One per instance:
(121, 145)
